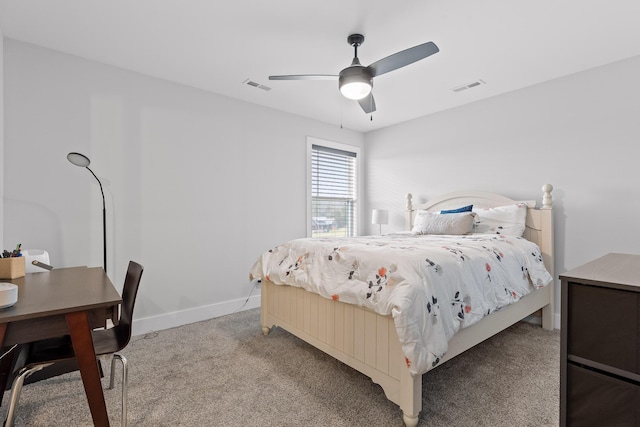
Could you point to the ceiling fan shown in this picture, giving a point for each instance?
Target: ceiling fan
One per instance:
(356, 81)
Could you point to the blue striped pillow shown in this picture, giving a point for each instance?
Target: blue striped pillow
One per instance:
(468, 208)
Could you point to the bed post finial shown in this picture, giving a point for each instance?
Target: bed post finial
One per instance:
(409, 212)
(547, 201)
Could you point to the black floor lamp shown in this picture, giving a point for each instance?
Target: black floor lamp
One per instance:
(84, 162)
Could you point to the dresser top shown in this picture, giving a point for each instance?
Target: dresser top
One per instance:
(612, 269)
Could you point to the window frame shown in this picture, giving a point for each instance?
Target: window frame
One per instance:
(311, 141)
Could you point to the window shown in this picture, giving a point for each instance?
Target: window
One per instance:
(333, 189)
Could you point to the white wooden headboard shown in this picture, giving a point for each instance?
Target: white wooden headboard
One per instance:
(539, 222)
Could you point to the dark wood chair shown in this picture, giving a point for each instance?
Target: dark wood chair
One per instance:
(45, 353)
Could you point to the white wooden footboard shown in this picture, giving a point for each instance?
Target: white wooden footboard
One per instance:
(358, 337)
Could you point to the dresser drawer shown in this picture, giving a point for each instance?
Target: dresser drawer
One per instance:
(594, 399)
(603, 326)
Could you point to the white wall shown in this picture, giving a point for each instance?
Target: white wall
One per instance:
(2, 246)
(580, 133)
(197, 185)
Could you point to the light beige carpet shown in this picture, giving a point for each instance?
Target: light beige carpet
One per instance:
(224, 372)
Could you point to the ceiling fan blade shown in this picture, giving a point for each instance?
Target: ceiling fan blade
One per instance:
(367, 103)
(402, 58)
(304, 77)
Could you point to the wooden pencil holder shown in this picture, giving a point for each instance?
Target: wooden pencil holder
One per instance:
(11, 268)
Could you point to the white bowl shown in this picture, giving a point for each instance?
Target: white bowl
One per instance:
(8, 294)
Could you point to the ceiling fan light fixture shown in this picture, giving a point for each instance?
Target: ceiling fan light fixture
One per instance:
(355, 86)
(355, 90)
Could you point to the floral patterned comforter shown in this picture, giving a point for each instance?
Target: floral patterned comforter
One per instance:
(432, 285)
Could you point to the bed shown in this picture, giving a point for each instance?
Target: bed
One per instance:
(354, 332)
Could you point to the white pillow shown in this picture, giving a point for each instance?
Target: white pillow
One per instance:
(506, 220)
(435, 223)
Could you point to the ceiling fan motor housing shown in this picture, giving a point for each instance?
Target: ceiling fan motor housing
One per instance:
(355, 82)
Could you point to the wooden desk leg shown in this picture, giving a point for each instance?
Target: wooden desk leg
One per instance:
(5, 364)
(85, 354)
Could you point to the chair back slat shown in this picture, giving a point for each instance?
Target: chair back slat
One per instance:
(129, 293)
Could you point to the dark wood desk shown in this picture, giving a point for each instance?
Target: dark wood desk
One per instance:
(68, 301)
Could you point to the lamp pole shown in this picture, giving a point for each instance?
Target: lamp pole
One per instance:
(83, 161)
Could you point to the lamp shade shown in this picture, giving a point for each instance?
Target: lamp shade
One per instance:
(380, 216)
(79, 159)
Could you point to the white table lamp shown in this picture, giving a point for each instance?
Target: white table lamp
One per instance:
(380, 217)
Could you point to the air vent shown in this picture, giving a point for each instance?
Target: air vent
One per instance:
(469, 85)
(255, 84)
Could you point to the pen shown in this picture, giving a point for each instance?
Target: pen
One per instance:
(13, 254)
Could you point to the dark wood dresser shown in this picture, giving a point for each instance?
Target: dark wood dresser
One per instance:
(600, 343)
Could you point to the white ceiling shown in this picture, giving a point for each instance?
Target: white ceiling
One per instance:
(216, 45)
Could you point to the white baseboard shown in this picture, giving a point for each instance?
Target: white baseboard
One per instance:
(198, 314)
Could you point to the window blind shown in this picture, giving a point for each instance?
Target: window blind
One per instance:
(333, 192)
